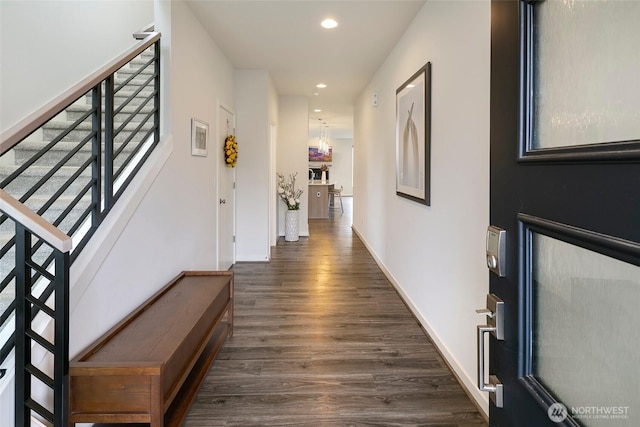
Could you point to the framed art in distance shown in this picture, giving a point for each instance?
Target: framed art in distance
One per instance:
(199, 137)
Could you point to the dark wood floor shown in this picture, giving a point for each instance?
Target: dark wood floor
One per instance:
(322, 339)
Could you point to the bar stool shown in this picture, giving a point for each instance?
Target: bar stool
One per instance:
(333, 192)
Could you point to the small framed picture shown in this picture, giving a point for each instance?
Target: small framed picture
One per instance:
(413, 137)
(199, 137)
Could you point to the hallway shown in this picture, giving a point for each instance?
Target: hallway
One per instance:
(322, 338)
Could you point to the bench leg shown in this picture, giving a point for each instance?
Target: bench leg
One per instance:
(157, 404)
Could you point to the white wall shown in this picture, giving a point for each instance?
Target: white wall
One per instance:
(434, 255)
(254, 94)
(47, 46)
(293, 134)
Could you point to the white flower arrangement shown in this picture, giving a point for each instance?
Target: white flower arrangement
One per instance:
(288, 192)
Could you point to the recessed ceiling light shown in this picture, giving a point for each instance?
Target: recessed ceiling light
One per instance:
(410, 86)
(321, 85)
(329, 23)
(316, 93)
(317, 110)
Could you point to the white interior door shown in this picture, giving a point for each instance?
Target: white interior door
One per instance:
(226, 227)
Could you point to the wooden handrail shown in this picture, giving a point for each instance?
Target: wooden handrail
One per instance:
(143, 33)
(34, 223)
(32, 122)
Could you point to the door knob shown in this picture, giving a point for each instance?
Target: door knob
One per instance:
(223, 201)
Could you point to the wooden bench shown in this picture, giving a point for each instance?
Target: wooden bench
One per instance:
(148, 368)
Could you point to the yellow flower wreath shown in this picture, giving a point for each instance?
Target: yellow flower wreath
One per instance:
(230, 151)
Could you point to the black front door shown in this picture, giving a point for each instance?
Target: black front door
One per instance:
(565, 185)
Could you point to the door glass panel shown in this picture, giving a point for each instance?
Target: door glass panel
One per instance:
(585, 342)
(586, 58)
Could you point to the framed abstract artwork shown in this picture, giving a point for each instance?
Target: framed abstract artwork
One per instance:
(413, 129)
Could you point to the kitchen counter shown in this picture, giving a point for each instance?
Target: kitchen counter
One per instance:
(318, 182)
(319, 198)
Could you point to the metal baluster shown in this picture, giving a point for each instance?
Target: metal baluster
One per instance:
(23, 320)
(108, 142)
(96, 151)
(156, 102)
(61, 341)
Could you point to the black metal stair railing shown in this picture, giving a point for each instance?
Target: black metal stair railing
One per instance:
(69, 165)
(34, 342)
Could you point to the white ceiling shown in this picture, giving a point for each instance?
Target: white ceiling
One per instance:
(285, 38)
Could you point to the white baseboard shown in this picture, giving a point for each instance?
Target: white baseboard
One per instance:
(252, 258)
(481, 400)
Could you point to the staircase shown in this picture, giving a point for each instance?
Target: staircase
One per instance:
(70, 171)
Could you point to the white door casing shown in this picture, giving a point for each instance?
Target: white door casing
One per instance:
(226, 200)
